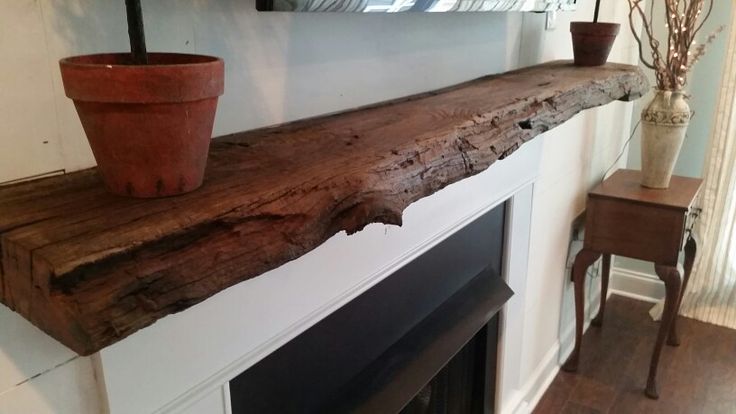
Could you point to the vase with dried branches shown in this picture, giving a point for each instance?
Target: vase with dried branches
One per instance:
(666, 118)
(148, 116)
(592, 41)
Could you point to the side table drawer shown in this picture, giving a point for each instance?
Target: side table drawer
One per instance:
(637, 230)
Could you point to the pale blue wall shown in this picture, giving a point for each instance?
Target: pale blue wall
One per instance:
(704, 84)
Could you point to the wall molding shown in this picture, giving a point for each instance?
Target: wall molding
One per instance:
(541, 378)
(539, 381)
(516, 272)
(636, 285)
(624, 282)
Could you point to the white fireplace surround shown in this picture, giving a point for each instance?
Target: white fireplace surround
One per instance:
(191, 356)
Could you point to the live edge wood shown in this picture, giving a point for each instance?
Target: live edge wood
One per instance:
(90, 268)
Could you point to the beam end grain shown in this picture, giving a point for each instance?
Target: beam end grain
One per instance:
(91, 268)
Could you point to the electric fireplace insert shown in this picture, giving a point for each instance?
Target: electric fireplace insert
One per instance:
(421, 341)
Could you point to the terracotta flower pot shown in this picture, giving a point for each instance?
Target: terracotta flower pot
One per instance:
(592, 42)
(149, 126)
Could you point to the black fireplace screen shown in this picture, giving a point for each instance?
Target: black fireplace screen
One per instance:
(423, 340)
(460, 387)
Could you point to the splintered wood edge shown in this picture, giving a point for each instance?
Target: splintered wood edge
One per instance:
(88, 303)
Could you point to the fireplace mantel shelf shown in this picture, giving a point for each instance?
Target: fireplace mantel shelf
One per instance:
(90, 268)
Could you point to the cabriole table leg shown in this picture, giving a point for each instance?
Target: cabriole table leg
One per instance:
(583, 260)
(605, 276)
(672, 283)
(691, 248)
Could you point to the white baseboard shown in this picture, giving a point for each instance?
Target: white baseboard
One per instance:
(636, 285)
(624, 282)
(546, 371)
(540, 380)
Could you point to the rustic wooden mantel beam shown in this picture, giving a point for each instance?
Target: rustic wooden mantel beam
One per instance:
(91, 268)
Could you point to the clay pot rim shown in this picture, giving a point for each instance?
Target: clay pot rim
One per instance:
(105, 78)
(160, 60)
(595, 28)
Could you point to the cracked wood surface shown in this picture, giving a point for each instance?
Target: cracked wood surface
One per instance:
(90, 268)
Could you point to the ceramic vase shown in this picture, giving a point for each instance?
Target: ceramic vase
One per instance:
(664, 124)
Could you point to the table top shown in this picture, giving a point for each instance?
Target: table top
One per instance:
(624, 184)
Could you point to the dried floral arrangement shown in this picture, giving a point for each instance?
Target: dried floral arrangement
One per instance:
(684, 19)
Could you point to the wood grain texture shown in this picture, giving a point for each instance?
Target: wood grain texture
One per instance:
(629, 220)
(625, 184)
(698, 377)
(90, 268)
(641, 231)
(624, 220)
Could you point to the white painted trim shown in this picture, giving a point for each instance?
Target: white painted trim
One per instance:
(541, 379)
(543, 375)
(633, 296)
(512, 317)
(516, 401)
(221, 377)
(226, 401)
(100, 381)
(636, 285)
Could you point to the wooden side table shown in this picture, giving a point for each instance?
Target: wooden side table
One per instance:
(626, 219)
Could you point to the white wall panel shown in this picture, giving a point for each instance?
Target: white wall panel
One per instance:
(29, 138)
(70, 388)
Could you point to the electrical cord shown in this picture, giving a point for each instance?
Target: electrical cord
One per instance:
(623, 150)
(626, 146)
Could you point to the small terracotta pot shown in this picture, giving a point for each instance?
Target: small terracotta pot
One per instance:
(592, 42)
(149, 126)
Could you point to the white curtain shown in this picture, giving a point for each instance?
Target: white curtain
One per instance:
(711, 295)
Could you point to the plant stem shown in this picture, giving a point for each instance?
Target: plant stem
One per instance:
(135, 32)
(597, 10)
